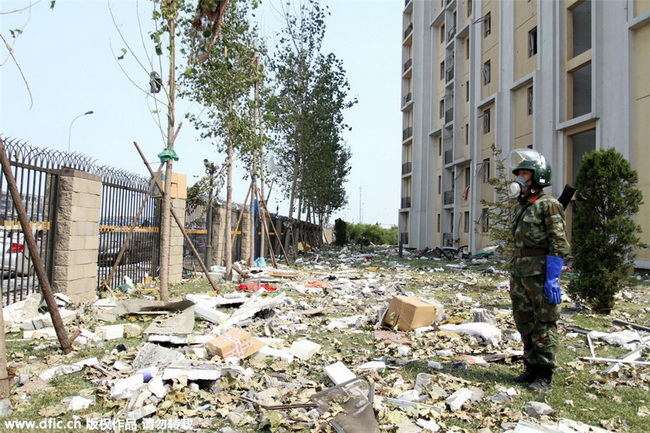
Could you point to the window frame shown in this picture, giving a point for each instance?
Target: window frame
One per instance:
(486, 121)
(487, 72)
(487, 25)
(532, 42)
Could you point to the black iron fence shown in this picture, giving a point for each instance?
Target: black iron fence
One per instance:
(125, 202)
(36, 174)
(36, 171)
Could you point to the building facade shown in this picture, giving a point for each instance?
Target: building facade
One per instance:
(563, 77)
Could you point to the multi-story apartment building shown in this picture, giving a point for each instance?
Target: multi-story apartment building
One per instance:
(563, 77)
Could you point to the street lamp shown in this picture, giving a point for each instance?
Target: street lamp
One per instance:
(210, 170)
(70, 128)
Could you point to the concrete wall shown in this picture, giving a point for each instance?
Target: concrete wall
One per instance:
(77, 235)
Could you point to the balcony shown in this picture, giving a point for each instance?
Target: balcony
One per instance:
(408, 31)
(407, 133)
(448, 197)
(449, 115)
(407, 98)
(449, 156)
(449, 74)
(408, 64)
(451, 33)
(407, 168)
(406, 202)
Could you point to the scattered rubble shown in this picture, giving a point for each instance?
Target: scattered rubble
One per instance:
(332, 345)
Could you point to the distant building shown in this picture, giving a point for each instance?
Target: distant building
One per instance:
(564, 77)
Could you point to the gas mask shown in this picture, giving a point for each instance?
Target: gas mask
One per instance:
(517, 187)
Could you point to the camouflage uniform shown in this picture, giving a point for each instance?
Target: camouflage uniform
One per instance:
(539, 230)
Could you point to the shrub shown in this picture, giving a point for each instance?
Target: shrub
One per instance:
(366, 234)
(604, 235)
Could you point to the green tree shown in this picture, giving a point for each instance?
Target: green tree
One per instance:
(499, 213)
(223, 84)
(305, 114)
(604, 233)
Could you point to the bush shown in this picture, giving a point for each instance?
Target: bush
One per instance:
(604, 235)
(366, 234)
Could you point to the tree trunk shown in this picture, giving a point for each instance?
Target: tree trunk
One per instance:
(165, 223)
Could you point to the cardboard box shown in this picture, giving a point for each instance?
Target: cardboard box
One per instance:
(409, 312)
(235, 342)
(178, 187)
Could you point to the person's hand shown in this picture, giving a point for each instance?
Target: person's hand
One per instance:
(552, 288)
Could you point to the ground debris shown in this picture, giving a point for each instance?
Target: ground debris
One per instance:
(327, 360)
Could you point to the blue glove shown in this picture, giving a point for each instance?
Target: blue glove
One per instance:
(551, 284)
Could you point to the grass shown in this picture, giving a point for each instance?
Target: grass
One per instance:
(580, 391)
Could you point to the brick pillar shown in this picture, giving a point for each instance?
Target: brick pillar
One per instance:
(77, 235)
(218, 235)
(176, 242)
(244, 227)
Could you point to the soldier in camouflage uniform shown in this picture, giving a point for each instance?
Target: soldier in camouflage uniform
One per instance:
(540, 244)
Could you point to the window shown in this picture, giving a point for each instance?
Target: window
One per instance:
(439, 184)
(438, 222)
(467, 135)
(487, 25)
(485, 220)
(487, 72)
(439, 146)
(442, 70)
(467, 176)
(530, 100)
(486, 170)
(442, 33)
(466, 222)
(442, 108)
(486, 121)
(469, 7)
(467, 48)
(532, 42)
(467, 91)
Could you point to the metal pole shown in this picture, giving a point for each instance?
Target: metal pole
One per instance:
(208, 246)
(70, 128)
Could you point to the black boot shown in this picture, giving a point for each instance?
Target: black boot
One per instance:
(543, 381)
(529, 375)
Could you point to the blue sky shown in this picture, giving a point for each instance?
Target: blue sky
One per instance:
(68, 56)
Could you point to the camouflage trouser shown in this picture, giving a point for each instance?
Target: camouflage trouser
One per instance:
(536, 320)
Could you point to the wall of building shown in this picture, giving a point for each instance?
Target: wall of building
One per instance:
(576, 84)
(640, 153)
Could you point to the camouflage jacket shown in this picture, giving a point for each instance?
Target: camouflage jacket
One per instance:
(539, 229)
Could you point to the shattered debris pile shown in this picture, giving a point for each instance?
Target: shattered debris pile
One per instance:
(338, 343)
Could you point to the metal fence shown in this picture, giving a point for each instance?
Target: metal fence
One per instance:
(37, 177)
(125, 202)
(36, 172)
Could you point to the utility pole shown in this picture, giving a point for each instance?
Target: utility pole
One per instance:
(210, 170)
(360, 203)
